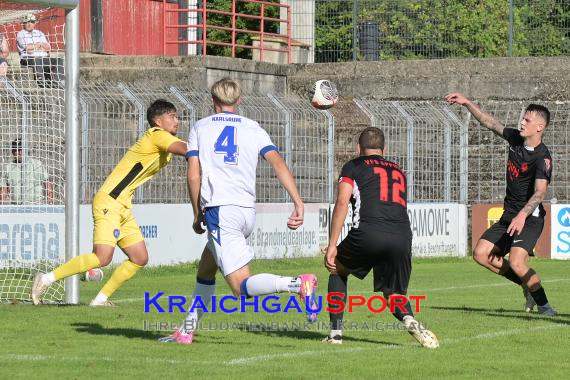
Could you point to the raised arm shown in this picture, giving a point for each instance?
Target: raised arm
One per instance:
(286, 179)
(484, 118)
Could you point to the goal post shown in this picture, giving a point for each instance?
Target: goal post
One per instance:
(39, 99)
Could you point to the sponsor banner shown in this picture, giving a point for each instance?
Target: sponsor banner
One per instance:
(32, 233)
(560, 234)
(439, 229)
(167, 229)
(484, 216)
(272, 239)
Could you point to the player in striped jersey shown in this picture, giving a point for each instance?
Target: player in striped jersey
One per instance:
(113, 221)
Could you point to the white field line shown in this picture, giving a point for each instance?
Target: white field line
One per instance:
(444, 342)
(416, 291)
(247, 360)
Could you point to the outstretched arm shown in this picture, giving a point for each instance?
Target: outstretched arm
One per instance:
(484, 118)
(179, 148)
(286, 178)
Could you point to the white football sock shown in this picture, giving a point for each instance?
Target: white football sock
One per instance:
(48, 278)
(100, 298)
(265, 283)
(205, 291)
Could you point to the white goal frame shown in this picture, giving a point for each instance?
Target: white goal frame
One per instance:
(72, 133)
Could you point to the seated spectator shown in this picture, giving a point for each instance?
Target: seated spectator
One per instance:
(34, 49)
(25, 180)
(3, 55)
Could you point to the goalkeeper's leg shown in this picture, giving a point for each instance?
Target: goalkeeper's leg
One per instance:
(100, 257)
(138, 258)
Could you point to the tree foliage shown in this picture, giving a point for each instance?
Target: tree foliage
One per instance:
(444, 28)
(243, 23)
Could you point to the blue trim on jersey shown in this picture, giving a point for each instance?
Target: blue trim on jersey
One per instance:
(268, 148)
(192, 153)
(243, 288)
(231, 113)
(212, 217)
(203, 281)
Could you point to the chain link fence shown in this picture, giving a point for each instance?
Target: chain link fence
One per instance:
(114, 117)
(448, 156)
(347, 30)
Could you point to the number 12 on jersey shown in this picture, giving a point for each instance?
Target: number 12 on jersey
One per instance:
(395, 181)
(226, 145)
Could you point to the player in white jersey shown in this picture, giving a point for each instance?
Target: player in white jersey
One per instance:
(223, 151)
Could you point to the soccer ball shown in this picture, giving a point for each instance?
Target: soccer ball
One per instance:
(95, 274)
(323, 95)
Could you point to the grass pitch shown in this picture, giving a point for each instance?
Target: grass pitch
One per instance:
(476, 315)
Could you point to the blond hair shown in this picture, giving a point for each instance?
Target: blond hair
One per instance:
(226, 91)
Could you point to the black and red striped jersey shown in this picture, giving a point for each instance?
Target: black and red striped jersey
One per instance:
(378, 193)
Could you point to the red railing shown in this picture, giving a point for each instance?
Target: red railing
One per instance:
(204, 27)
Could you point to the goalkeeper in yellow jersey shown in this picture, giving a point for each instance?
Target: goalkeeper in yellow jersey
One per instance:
(113, 221)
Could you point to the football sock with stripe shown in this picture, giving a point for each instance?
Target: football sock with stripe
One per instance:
(78, 264)
(337, 284)
(512, 276)
(122, 274)
(204, 289)
(265, 283)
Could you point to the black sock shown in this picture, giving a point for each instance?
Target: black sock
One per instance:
(512, 276)
(399, 314)
(337, 284)
(539, 296)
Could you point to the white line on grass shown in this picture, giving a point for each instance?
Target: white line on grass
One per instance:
(247, 360)
(497, 284)
(254, 359)
(36, 358)
(257, 358)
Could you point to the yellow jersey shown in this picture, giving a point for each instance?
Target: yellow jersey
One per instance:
(141, 162)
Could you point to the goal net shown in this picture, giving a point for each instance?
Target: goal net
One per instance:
(32, 147)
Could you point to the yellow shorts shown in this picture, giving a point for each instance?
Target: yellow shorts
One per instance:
(113, 223)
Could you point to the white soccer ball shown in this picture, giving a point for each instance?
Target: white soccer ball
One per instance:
(95, 274)
(323, 95)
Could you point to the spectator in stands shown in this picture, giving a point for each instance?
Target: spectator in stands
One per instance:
(25, 180)
(3, 54)
(34, 49)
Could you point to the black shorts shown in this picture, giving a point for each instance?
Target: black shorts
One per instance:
(497, 234)
(389, 254)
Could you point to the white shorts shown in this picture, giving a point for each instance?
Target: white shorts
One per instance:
(228, 228)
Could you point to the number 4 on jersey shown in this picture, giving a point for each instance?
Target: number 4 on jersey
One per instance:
(225, 144)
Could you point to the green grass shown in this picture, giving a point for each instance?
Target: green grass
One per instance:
(476, 315)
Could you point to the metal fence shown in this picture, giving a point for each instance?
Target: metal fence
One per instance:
(345, 30)
(447, 156)
(114, 116)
